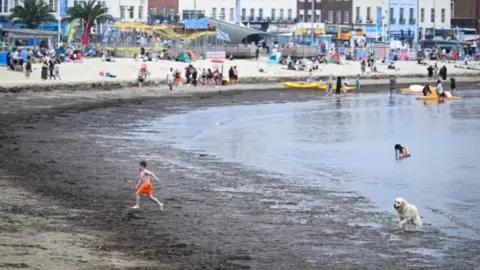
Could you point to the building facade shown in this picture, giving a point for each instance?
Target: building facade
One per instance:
(326, 11)
(402, 19)
(161, 10)
(465, 13)
(434, 14)
(368, 15)
(273, 11)
(125, 10)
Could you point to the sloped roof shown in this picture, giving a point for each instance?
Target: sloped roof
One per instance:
(236, 32)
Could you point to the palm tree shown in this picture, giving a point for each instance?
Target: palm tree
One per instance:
(91, 10)
(32, 13)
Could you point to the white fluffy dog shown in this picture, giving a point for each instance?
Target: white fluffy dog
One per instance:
(408, 213)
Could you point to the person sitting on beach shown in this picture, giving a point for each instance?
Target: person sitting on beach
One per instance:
(401, 151)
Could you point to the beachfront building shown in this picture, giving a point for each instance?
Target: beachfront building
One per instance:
(124, 10)
(162, 10)
(402, 19)
(434, 14)
(465, 13)
(240, 11)
(368, 16)
(329, 12)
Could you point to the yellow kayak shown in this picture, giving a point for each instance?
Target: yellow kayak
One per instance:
(434, 95)
(324, 87)
(301, 85)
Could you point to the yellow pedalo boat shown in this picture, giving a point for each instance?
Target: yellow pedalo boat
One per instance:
(324, 87)
(305, 85)
(301, 85)
(434, 96)
(415, 89)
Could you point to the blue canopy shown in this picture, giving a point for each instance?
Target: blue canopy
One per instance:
(196, 24)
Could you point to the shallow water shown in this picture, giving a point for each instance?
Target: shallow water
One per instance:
(347, 143)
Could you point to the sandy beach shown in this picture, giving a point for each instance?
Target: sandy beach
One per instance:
(126, 70)
(69, 191)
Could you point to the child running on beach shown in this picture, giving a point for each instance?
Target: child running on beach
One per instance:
(144, 186)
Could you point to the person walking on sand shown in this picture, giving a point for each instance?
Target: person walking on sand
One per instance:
(28, 68)
(144, 186)
(56, 70)
(170, 78)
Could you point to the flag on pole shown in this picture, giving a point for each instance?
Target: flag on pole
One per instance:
(85, 33)
(222, 35)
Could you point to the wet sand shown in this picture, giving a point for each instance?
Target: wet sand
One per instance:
(74, 156)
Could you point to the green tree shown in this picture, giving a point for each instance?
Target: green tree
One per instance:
(92, 10)
(32, 13)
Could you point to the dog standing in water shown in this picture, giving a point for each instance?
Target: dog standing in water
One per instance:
(408, 213)
(144, 186)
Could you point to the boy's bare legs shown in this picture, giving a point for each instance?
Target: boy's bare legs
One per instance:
(137, 202)
(157, 201)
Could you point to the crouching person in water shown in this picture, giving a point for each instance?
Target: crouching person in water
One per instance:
(144, 186)
(401, 151)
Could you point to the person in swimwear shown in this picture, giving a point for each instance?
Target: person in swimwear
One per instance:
(144, 186)
(401, 151)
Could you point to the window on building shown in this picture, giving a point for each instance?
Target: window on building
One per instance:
(282, 15)
(452, 8)
(252, 14)
(153, 11)
(231, 13)
(188, 14)
(309, 16)
(318, 15)
(163, 11)
(140, 12)
(222, 14)
(432, 15)
(346, 16)
(443, 15)
(369, 13)
(15, 3)
(357, 14)
(260, 14)
(392, 17)
(52, 5)
(338, 19)
(410, 15)
(273, 14)
(244, 14)
(122, 12)
(171, 13)
(301, 15)
(131, 12)
(214, 13)
(289, 14)
(422, 15)
(402, 14)
(330, 16)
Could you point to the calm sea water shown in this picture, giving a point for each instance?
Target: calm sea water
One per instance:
(348, 143)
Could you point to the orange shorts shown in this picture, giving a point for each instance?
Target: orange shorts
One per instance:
(145, 188)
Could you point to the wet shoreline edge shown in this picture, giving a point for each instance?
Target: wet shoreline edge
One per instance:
(242, 83)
